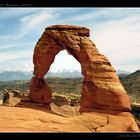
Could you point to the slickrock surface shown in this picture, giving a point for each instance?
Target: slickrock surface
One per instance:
(14, 119)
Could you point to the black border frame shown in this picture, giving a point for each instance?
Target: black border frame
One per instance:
(68, 3)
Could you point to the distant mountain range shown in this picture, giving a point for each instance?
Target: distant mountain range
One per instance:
(15, 75)
(20, 75)
(131, 84)
(65, 74)
(122, 72)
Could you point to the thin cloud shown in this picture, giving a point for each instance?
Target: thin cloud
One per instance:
(120, 41)
(7, 56)
(16, 60)
(29, 21)
(14, 55)
(17, 46)
(7, 13)
(34, 21)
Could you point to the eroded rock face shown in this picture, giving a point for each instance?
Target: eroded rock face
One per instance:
(40, 91)
(101, 86)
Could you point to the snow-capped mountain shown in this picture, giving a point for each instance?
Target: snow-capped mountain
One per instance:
(64, 73)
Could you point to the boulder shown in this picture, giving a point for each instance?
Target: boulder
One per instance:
(60, 100)
(74, 102)
(6, 94)
(1, 98)
(16, 93)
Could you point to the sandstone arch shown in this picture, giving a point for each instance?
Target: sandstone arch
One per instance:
(101, 87)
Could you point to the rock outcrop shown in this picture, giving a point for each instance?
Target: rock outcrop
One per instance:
(11, 97)
(1, 98)
(101, 86)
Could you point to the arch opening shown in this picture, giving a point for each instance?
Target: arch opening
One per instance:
(65, 80)
(66, 62)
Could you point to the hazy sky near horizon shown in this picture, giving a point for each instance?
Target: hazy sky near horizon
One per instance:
(115, 31)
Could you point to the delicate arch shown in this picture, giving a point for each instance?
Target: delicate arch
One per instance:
(101, 86)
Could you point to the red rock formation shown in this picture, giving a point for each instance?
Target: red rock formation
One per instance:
(101, 86)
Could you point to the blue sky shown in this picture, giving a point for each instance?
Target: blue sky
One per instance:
(115, 31)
